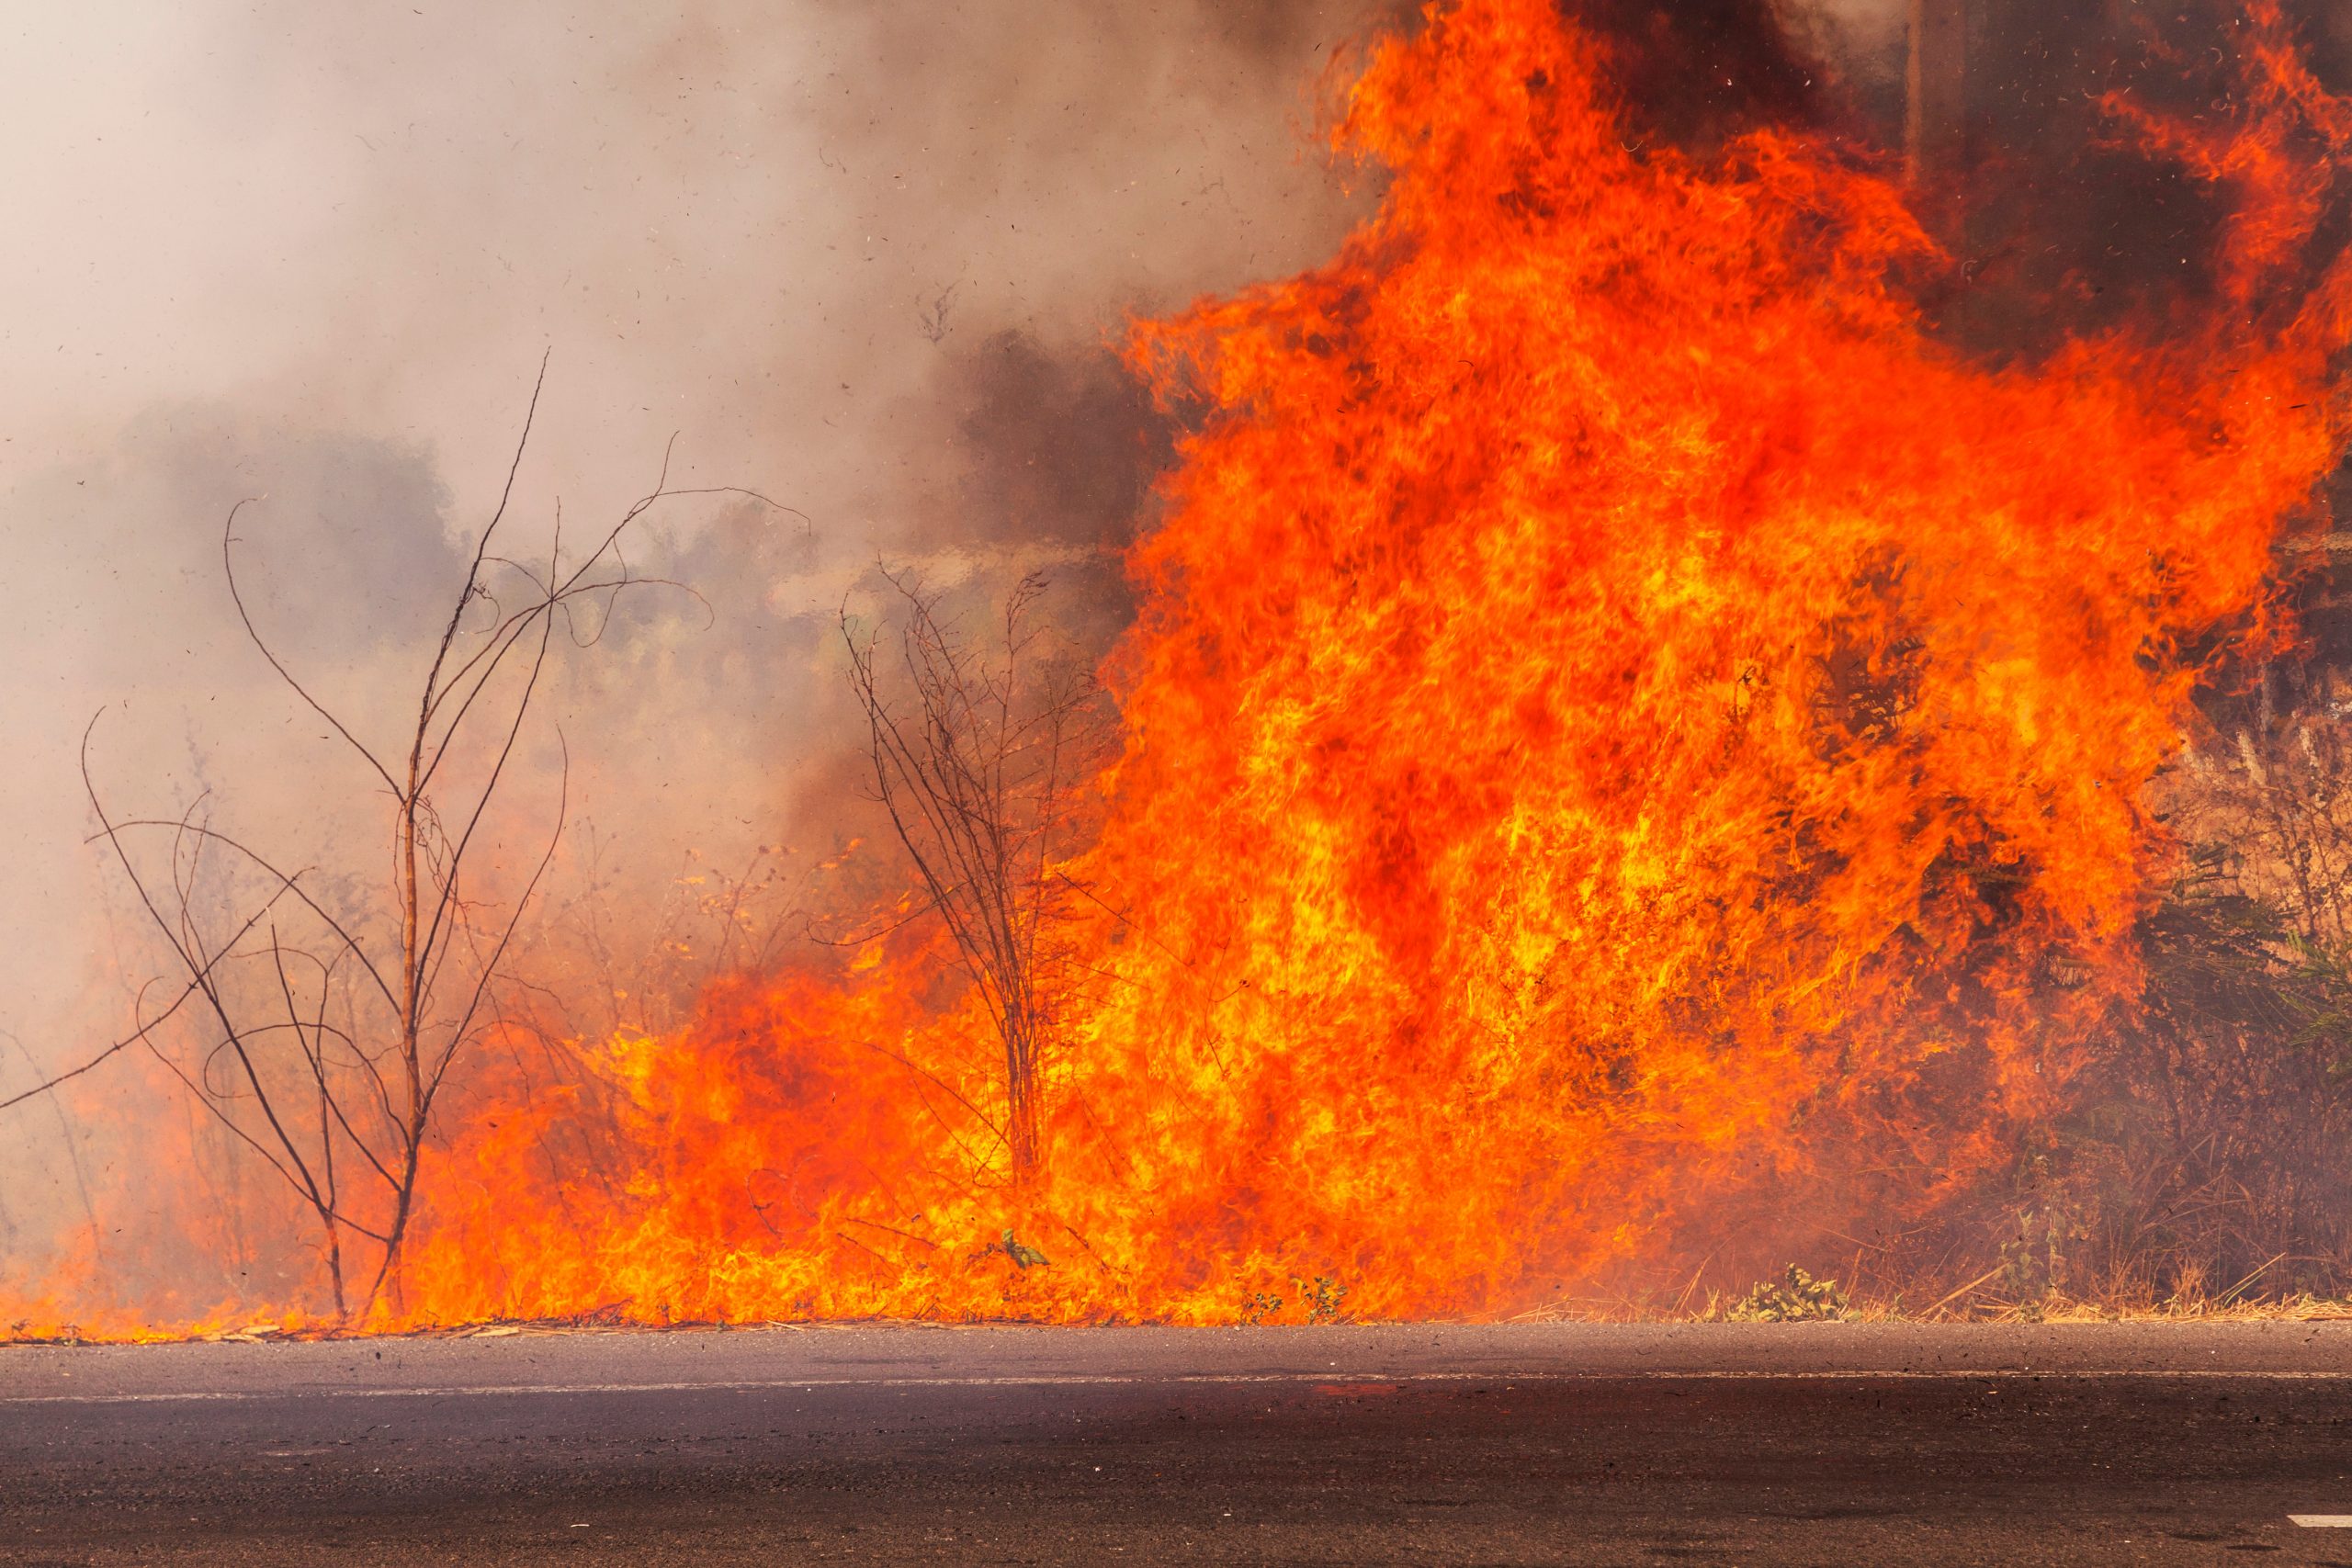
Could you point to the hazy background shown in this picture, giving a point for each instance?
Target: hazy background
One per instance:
(864, 258)
(314, 256)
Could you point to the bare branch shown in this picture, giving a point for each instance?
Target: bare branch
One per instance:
(229, 568)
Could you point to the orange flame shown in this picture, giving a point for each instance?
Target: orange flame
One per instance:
(1635, 751)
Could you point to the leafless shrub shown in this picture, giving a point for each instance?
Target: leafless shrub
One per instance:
(980, 754)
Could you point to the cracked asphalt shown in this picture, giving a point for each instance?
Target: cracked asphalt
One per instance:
(1833, 1443)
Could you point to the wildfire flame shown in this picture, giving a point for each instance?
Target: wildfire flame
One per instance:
(1634, 751)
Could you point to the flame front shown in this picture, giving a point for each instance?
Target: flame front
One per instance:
(1635, 753)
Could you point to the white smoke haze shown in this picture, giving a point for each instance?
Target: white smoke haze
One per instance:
(859, 257)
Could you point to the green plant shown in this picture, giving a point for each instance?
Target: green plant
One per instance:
(2035, 1258)
(1323, 1298)
(1024, 1255)
(1795, 1297)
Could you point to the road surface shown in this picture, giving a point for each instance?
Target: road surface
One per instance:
(1835, 1443)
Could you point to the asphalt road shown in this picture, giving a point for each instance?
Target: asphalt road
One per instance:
(1736, 1444)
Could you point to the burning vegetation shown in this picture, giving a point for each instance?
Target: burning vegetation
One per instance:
(1662, 734)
